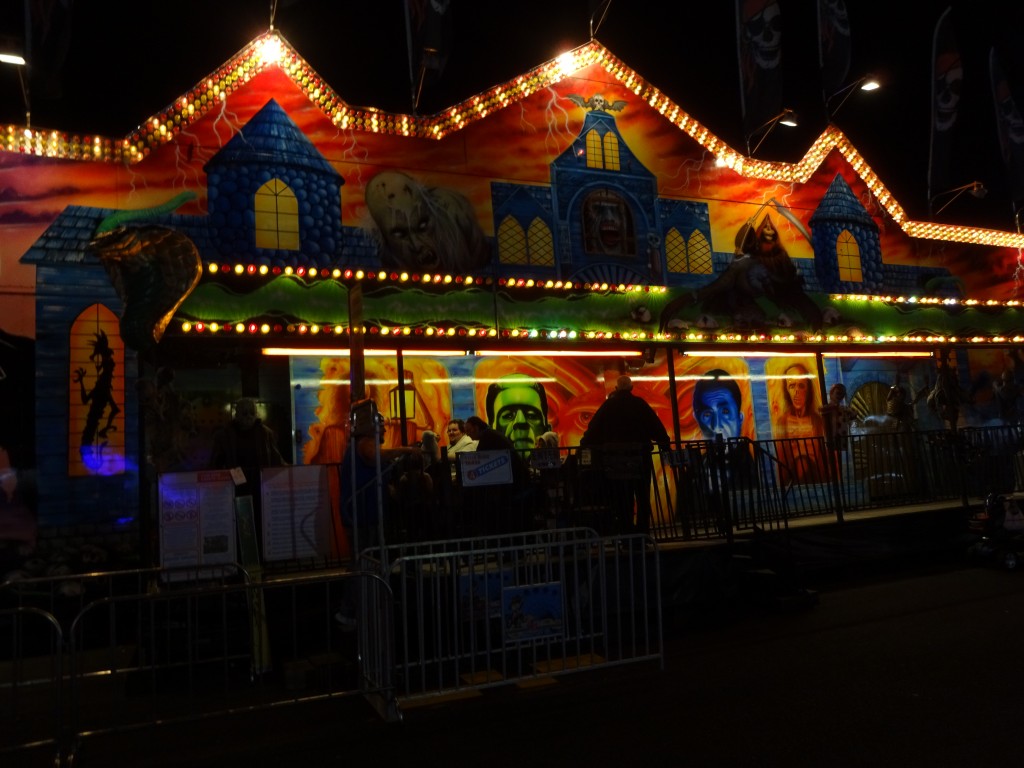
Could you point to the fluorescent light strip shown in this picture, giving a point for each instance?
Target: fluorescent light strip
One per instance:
(557, 353)
(344, 352)
(743, 353)
(876, 354)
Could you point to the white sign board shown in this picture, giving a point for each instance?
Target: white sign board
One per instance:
(296, 512)
(197, 518)
(485, 468)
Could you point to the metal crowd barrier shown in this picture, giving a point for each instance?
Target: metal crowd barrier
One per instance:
(177, 651)
(32, 693)
(477, 613)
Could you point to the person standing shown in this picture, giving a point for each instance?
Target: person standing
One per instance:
(246, 442)
(249, 445)
(361, 505)
(508, 501)
(837, 418)
(623, 423)
(458, 440)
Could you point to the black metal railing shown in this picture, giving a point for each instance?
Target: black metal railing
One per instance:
(706, 490)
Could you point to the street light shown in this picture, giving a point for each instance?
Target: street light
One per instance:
(785, 117)
(976, 188)
(10, 53)
(866, 83)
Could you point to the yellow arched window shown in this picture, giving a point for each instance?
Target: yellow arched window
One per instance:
(602, 152)
(511, 242)
(848, 258)
(693, 256)
(277, 217)
(540, 244)
(535, 246)
(611, 152)
(594, 153)
(95, 395)
(675, 251)
(698, 250)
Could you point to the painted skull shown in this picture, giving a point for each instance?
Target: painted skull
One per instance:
(835, 12)
(598, 101)
(1009, 115)
(949, 75)
(763, 33)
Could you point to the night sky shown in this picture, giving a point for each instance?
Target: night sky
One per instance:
(129, 61)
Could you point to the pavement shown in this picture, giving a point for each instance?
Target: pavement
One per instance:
(907, 661)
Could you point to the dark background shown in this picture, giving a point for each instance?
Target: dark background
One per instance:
(112, 64)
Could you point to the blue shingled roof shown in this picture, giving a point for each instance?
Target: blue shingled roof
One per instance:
(67, 239)
(271, 134)
(840, 204)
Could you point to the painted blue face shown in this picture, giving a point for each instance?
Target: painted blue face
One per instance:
(718, 413)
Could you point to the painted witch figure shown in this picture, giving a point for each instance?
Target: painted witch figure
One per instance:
(100, 400)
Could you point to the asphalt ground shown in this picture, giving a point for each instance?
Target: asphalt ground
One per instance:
(915, 664)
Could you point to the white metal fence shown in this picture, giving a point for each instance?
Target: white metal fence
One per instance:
(89, 654)
(476, 613)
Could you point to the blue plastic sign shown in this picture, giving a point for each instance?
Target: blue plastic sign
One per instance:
(485, 468)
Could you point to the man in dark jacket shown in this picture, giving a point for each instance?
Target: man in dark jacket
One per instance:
(624, 427)
(498, 508)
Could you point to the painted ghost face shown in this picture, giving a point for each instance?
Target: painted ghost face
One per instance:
(401, 208)
(424, 228)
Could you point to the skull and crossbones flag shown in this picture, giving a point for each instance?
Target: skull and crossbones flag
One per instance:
(947, 83)
(759, 45)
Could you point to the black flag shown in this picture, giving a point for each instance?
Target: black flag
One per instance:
(1010, 128)
(947, 82)
(833, 45)
(759, 45)
(429, 28)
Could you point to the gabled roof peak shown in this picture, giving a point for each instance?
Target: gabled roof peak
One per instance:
(271, 49)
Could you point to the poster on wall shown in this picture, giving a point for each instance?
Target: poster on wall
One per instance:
(296, 513)
(197, 520)
(532, 612)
